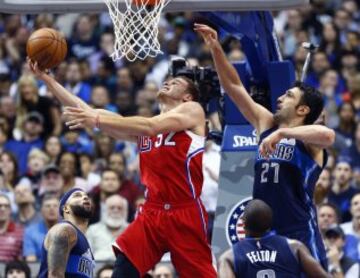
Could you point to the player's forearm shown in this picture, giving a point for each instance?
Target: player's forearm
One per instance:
(227, 73)
(311, 134)
(63, 95)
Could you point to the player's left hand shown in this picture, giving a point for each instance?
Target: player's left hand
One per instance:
(78, 117)
(268, 145)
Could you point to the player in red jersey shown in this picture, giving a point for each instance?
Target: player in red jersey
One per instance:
(171, 145)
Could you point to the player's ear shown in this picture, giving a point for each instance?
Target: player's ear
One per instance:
(303, 110)
(187, 97)
(66, 210)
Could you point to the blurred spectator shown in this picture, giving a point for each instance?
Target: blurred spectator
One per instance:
(33, 126)
(105, 271)
(6, 189)
(75, 84)
(17, 269)
(339, 263)
(163, 270)
(11, 234)
(25, 200)
(88, 171)
(347, 122)
(100, 99)
(112, 183)
(353, 227)
(70, 170)
(104, 146)
(106, 49)
(8, 110)
(352, 153)
(323, 186)
(124, 80)
(349, 63)
(342, 21)
(9, 167)
(76, 141)
(29, 100)
(124, 103)
(34, 234)
(117, 162)
(53, 148)
(330, 43)
(319, 64)
(328, 215)
(37, 160)
(83, 42)
(5, 83)
(353, 94)
(102, 234)
(51, 182)
(341, 191)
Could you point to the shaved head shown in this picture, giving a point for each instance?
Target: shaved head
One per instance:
(257, 217)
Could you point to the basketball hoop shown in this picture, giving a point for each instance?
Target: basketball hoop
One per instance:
(136, 29)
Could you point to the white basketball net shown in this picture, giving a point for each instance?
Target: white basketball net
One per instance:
(136, 29)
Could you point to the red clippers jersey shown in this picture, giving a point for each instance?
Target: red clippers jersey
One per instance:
(171, 166)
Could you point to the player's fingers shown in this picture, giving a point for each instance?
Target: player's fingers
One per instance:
(71, 109)
(73, 122)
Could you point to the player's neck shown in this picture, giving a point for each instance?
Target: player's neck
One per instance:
(290, 124)
(80, 223)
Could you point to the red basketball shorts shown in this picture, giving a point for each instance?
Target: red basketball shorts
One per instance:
(176, 228)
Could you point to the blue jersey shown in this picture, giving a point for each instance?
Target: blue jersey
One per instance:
(81, 263)
(286, 182)
(266, 257)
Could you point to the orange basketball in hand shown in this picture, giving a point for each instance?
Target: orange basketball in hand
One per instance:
(146, 2)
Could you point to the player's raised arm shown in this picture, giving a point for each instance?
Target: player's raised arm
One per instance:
(256, 114)
(186, 116)
(59, 242)
(308, 264)
(64, 96)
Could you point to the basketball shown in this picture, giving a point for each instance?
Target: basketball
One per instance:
(146, 2)
(47, 47)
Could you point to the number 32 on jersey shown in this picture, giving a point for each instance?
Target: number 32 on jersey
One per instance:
(146, 144)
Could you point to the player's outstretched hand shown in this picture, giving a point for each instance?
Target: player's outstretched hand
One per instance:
(268, 145)
(34, 67)
(208, 34)
(78, 117)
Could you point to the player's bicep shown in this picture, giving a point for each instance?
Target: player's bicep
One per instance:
(309, 265)
(60, 241)
(185, 116)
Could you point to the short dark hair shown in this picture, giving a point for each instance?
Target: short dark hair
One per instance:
(334, 208)
(257, 217)
(18, 265)
(311, 98)
(49, 196)
(192, 88)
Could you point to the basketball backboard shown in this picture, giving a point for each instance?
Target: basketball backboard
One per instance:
(67, 6)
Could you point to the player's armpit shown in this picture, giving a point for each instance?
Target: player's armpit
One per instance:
(60, 240)
(226, 265)
(308, 264)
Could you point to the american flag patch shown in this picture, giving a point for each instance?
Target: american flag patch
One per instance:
(234, 224)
